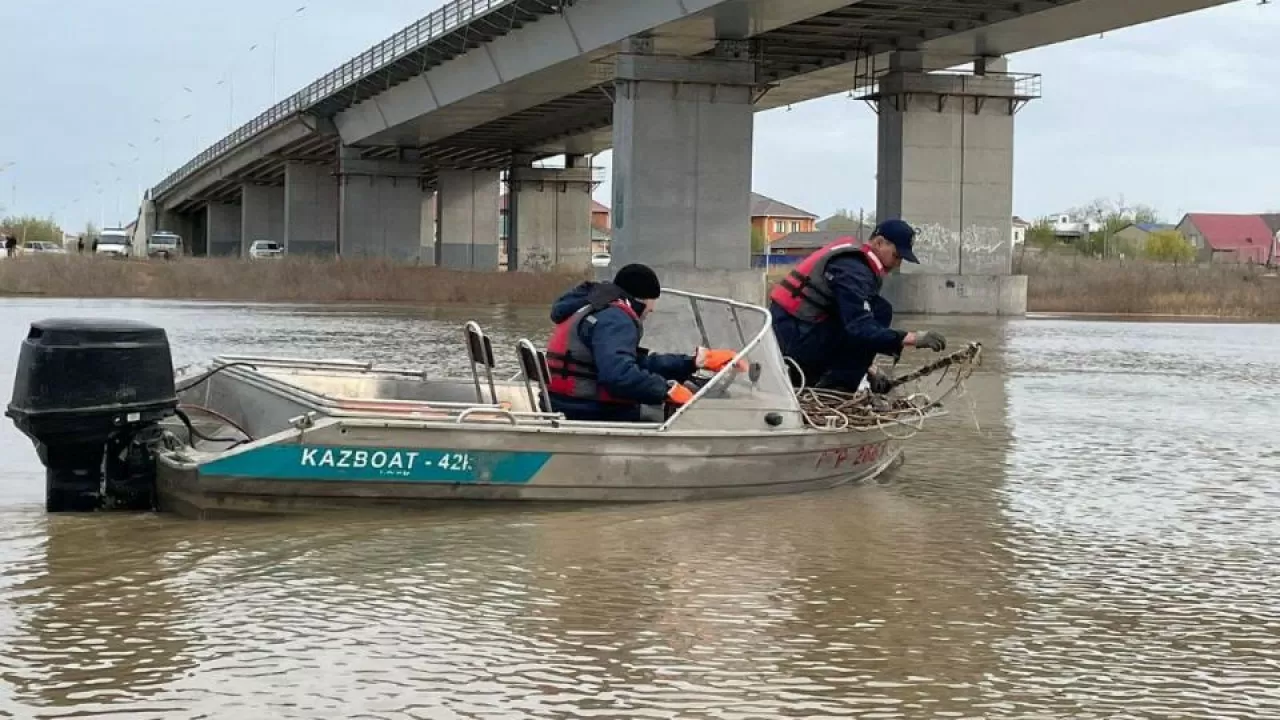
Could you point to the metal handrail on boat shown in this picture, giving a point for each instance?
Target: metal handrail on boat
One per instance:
(319, 365)
(475, 411)
(332, 406)
(446, 411)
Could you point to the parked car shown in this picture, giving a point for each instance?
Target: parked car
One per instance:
(265, 250)
(601, 260)
(40, 247)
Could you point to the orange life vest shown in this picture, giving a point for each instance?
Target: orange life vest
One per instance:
(805, 293)
(571, 362)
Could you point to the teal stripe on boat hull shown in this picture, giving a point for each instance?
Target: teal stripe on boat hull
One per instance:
(395, 465)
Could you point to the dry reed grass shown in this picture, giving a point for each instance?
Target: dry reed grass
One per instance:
(1055, 284)
(1077, 284)
(1085, 285)
(302, 280)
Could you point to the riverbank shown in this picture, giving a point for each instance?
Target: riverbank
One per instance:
(1078, 285)
(1063, 285)
(296, 280)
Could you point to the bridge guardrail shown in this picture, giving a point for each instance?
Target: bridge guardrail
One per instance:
(442, 21)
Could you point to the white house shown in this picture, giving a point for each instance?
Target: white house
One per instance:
(1068, 230)
(1020, 228)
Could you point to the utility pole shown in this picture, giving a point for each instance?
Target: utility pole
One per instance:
(13, 204)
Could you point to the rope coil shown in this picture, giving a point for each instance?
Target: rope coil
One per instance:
(840, 411)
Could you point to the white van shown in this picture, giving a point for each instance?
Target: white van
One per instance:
(165, 245)
(114, 242)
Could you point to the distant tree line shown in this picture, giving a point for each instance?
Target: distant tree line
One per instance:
(27, 228)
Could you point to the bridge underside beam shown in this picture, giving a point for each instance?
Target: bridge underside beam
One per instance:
(846, 48)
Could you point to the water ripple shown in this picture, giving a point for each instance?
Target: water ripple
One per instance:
(1090, 535)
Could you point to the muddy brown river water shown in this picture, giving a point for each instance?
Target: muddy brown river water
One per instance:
(1096, 536)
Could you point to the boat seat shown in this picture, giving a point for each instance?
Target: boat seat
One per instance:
(480, 353)
(533, 366)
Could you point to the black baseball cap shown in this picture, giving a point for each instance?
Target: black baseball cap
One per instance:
(901, 235)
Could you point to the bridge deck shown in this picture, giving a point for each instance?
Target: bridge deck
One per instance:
(437, 38)
(812, 48)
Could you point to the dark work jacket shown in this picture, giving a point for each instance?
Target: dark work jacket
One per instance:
(837, 352)
(624, 369)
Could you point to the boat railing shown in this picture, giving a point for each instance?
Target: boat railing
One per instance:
(480, 353)
(320, 365)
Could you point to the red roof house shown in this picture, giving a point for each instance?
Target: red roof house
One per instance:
(1228, 238)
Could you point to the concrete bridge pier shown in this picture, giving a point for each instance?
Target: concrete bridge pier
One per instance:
(223, 223)
(381, 207)
(467, 237)
(311, 200)
(428, 251)
(550, 216)
(190, 227)
(682, 142)
(946, 167)
(262, 215)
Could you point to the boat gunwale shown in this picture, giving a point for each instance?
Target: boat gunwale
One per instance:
(328, 407)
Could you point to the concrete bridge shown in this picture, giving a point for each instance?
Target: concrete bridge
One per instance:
(400, 151)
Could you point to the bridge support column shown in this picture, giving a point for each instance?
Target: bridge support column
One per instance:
(262, 215)
(429, 251)
(223, 227)
(468, 224)
(310, 210)
(550, 218)
(946, 167)
(381, 208)
(190, 227)
(682, 142)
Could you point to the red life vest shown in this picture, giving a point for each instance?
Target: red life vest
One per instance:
(805, 293)
(571, 362)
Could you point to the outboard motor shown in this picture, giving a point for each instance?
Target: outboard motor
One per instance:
(90, 394)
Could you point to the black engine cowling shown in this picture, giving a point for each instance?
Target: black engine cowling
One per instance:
(90, 393)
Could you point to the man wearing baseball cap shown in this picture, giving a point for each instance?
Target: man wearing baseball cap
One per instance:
(829, 317)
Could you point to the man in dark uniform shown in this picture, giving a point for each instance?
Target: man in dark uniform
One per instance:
(599, 372)
(829, 317)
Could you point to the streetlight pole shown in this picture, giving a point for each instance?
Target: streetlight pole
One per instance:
(274, 38)
(14, 199)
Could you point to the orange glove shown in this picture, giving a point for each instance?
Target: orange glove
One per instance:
(716, 360)
(678, 394)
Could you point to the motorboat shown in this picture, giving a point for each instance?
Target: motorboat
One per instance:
(269, 435)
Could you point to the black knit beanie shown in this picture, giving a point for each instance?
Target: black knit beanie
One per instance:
(639, 281)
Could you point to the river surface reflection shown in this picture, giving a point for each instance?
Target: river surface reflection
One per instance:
(1092, 534)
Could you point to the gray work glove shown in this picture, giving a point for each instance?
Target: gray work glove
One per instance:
(879, 382)
(930, 340)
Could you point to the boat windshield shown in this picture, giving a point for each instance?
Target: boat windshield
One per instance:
(682, 322)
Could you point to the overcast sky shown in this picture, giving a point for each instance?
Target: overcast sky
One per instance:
(1180, 114)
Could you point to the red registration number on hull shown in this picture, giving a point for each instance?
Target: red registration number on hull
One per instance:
(850, 457)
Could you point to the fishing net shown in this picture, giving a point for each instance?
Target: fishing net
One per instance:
(897, 413)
